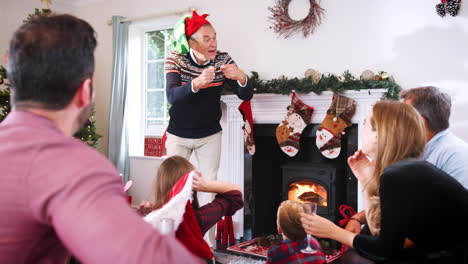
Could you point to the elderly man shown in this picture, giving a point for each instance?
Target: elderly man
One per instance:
(59, 196)
(195, 75)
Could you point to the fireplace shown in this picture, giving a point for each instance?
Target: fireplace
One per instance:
(308, 190)
(245, 170)
(272, 176)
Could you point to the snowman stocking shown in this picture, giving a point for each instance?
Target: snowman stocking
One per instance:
(290, 129)
(246, 111)
(338, 118)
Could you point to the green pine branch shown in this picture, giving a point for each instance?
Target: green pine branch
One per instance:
(328, 82)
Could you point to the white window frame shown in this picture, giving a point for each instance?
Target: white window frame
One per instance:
(136, 82)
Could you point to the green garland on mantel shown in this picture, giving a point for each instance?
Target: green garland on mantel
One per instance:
(327, 82)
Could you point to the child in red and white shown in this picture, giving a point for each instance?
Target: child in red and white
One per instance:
(175, 198)
(288, 251)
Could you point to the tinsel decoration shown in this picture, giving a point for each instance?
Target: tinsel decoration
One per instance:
(285, 26)
(452, 7)
(328, 82)
(440, 8)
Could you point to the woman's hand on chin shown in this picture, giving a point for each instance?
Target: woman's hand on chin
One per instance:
(361, 166)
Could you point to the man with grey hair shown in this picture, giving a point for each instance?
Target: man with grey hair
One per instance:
(443, 149)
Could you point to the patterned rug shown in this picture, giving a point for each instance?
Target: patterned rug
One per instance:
(225, 258)
(251, 248)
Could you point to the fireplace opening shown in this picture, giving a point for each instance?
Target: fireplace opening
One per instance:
(270, 177)
(307, 191)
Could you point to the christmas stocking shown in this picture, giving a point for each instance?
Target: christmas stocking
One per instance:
(246, 111)
(289, 130)
(338, 118)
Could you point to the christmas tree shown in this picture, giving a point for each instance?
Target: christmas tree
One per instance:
(87, 134)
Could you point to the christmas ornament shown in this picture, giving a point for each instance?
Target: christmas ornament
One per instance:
(328, 136)
(285, 26)
(290, 129)
(440, 8)
(452, 7)
(246, 111)
(313, 74)
(384, 75)
(367, 75)
(47, 3)
(381, 76)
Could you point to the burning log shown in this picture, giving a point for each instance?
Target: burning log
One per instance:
(311, 197)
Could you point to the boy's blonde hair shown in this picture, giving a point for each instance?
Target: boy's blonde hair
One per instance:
(289, 220)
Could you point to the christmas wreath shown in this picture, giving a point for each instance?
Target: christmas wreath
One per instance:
(285, 26)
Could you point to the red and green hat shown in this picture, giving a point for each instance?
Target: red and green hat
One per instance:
(185, 28)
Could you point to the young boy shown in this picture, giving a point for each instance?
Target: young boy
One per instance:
(288, 251)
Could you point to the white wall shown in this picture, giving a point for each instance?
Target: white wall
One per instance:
(405, 38)
(142, 172)
(12, 14)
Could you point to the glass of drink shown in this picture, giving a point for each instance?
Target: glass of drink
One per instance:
(310, 209)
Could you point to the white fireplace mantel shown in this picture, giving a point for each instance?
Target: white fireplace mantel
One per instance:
(270, 109)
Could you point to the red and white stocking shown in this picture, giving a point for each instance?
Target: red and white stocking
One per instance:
(246, 110)
(328, 136)
(288, 132)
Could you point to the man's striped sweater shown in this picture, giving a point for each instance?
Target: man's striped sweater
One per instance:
(197, 115)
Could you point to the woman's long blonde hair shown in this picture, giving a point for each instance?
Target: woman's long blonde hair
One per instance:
(170, 171)
(400, 135)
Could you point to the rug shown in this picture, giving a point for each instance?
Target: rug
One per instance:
(251, 248)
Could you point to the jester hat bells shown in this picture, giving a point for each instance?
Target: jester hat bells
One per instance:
(185, 28)
(179, 209)
(328, 135)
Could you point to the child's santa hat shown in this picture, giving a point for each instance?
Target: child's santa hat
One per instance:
(179, 208)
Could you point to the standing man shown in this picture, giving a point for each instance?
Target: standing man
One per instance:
(195, 75)
(443, 149)
(58, 196)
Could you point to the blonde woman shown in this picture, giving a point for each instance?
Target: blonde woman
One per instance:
(405, 198)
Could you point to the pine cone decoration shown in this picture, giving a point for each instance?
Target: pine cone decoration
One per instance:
(440, 8)
(452, 7)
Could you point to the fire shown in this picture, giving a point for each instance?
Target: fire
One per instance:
(313, 192)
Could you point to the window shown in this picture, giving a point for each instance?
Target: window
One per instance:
(157, 47)
(149, 43)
